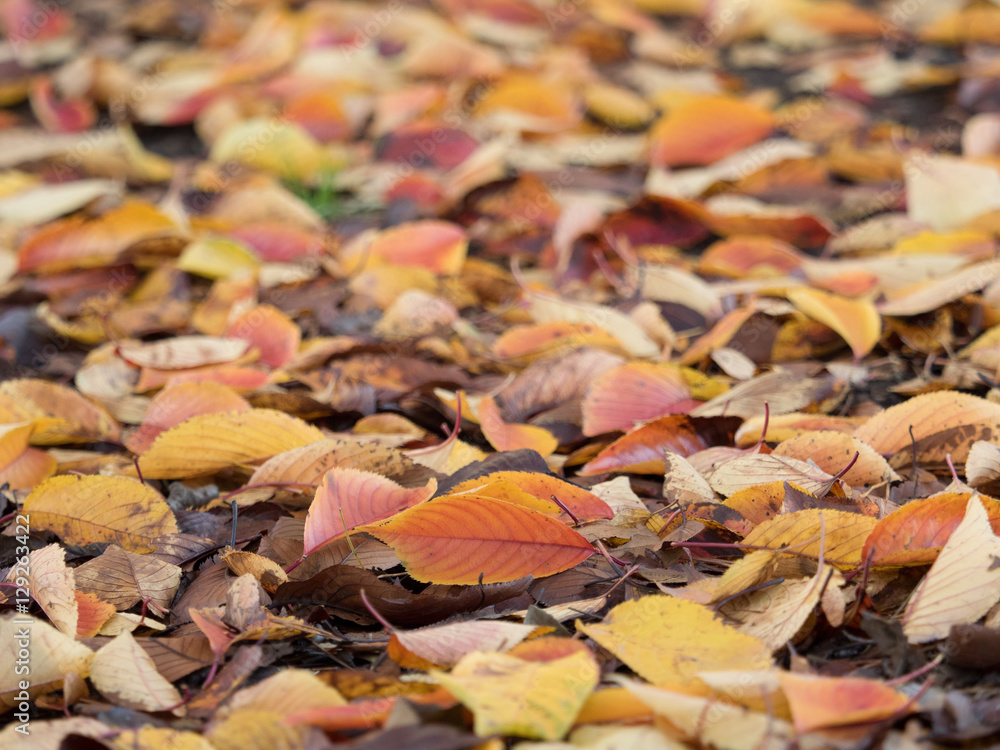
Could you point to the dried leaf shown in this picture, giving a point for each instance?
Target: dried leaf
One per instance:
(530, 698)
(125, 674)
(348, 498)
(210, 442)
(668, 641)
(962, 584)
(82, 510)
(458, 539)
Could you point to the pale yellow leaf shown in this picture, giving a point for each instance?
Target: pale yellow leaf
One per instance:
(732, 728)
(125, 674)
(962, 584)
(288, 692)
(48, 654)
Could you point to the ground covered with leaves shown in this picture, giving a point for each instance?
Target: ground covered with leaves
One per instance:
(499, 373)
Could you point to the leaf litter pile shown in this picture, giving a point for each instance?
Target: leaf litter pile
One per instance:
(492, 373)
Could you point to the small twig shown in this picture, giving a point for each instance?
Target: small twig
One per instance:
(929, 666)
(614, 561)
(561, 504)
(763, 430)
(951, 467)
(350, 544)
(621, 580)
(236, 515)
(376, 614)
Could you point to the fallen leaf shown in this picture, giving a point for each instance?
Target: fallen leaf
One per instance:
(348, 498)
(458, 539)
(668, 641)
(207, 443)
(537, 699)
(114, 670)
(81, 510)
(962, 584)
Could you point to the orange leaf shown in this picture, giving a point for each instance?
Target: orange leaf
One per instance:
(915, 534)
(827, 702)
(856, 320)
(754, 256)
(75, 243)
(543, 338)
(22, 467)
(348, 498)
(505, 436)
(585, 505)
(962, 585)
(457, 539)
(93, 613)
(641, 451)
(705, 129)
(532, 104)
(438, 246)
(236, 377)
(60, 414)
(633, 393)
(270, 331)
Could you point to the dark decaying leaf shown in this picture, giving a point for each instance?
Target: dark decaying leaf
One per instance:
(339, 588)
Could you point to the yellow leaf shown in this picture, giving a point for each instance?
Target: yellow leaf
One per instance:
(216, 258)
(82, 510)
(533, 699)
(52, 656)
(256, 729)
(775, 614)
(668, 641)
(271, 145)
(211, 442)
(890, 430)
(160, 738)
(856, 320)
(843, 536)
